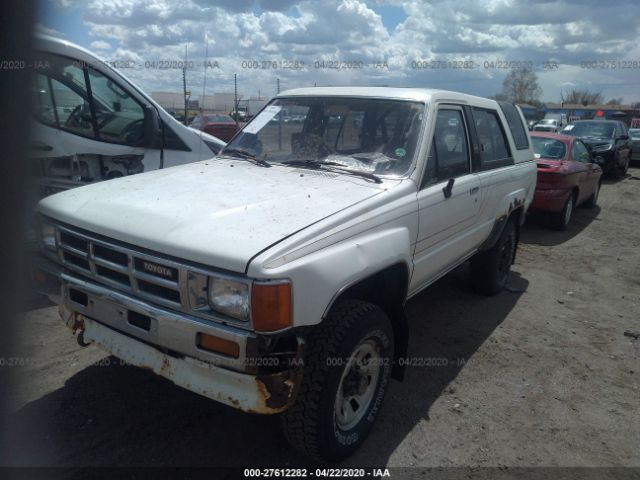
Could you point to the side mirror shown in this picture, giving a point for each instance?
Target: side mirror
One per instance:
(622, 137)
(152, 128)
(597, 159)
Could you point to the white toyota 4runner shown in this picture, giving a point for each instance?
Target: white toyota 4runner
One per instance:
(273, 277)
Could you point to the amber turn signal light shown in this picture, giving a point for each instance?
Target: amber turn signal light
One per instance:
(218, 345)
(271, 306)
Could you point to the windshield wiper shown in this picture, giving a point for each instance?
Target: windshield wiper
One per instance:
(335, 166)
(246, 155)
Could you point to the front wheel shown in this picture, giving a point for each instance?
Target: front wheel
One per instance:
(625, 168)
(346, 373)
(490, 269)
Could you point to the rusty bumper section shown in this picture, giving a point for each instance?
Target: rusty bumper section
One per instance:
(265, 394)
(168, 347)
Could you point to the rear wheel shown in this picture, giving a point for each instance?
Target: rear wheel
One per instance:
(490, 269)
(561, 220)
(346, 372)
(593, 200)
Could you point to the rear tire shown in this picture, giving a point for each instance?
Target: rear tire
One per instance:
(346, 373)
(562, 219)
(490, 269)
(593, 199)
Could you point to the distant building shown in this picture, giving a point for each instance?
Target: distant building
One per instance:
(530, 112)
(220, 102)
(170, 101)
(254, 104)
(587, 112)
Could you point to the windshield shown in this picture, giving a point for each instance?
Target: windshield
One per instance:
(548, 148)
(548, 121)
(362, 134)
(634, 133)
(590, 129)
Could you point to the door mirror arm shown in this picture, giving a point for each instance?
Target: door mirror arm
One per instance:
(448, 188)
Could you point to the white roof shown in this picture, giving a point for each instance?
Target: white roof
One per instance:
(416, 94)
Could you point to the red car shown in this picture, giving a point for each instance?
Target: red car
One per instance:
(221, 126)
(567, 176)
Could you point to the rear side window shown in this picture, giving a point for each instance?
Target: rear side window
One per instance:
(515, 125)
(579, 152)
(494, 148)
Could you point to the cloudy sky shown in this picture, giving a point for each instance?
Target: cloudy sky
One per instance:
(373, 42)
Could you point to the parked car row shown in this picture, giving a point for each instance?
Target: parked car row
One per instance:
(571, 164)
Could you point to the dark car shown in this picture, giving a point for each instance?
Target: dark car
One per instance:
(220, 126)
(607, 139)
(568, 176)
(634, 133)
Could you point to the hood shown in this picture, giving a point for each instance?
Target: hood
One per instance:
(595, 141)
(219, 212)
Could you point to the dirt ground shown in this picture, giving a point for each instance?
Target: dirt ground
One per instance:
(540, 375)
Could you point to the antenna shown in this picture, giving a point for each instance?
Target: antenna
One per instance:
(235, 97)
(184, 85)
(206, 56)
(204, 85)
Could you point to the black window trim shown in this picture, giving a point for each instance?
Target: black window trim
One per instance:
(183, 147)
(484, 166)
(53, 100)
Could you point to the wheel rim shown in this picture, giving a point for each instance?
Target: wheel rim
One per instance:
(568, 211)
(357, 385)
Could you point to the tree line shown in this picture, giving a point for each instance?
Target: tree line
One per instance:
(521, 86)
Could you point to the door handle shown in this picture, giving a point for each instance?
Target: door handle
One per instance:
(474, 190)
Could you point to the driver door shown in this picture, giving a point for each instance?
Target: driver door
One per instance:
(448, 200)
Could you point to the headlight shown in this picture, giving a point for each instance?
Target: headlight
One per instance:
(602, 148)
(48, 236)
(229, 297)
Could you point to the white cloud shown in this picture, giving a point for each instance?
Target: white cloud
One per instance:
(43, 29)
(100, 45)
(563, 31)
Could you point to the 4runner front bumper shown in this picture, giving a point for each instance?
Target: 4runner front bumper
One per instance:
(166, 343)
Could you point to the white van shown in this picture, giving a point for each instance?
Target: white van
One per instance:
(93, 124)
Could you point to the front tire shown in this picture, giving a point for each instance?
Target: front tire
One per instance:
(346, 373)
(490, 269)
(625, 167)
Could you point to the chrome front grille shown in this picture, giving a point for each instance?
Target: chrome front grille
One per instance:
(147, 276)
